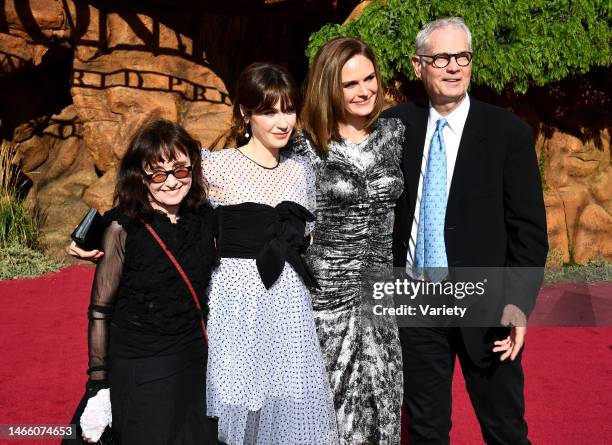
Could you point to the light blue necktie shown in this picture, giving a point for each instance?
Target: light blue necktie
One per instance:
(430, 247)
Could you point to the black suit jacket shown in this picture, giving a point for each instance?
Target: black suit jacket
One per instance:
(495, 215)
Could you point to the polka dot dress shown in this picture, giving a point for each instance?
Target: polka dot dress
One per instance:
(266, 381)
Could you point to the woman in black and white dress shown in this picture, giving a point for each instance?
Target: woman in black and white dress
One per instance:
(356, 156)
(266, 382)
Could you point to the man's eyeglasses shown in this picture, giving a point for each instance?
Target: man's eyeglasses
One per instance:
(443, 59)
(159, 176)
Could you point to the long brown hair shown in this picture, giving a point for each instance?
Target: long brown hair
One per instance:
(153, 143)
(259, 87)
(324, 104)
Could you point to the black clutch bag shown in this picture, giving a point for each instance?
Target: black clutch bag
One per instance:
(88, 234)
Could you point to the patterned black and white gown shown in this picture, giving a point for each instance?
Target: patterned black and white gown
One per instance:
(356, 189)
(266, 378)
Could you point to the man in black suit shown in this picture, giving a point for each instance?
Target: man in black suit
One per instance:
(492, 215)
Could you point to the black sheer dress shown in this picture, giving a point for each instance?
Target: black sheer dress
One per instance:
(145, 338)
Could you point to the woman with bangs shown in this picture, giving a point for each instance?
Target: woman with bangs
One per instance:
(266, 380)
(356, 157)
(147, 350)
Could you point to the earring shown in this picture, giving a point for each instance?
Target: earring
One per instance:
(246, 133)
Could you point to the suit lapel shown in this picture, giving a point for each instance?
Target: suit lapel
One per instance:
(474, 132)
(413, 151)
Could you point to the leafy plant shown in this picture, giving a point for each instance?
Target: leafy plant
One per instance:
(17, 225)
(516, 43)
(19, 230)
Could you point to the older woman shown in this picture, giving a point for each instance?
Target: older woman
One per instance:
(146, 342)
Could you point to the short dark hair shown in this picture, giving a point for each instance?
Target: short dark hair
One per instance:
(259, 86)
(154, 143)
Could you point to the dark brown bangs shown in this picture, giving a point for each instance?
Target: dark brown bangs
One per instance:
(152, 144)
(262, 85)
(259, 87)
(167, 152)
(289, 99)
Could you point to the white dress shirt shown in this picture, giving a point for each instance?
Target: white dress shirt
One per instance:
(452, 137)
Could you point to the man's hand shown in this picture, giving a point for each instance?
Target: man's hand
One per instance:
(512, 345)
(513, 316)
(89, 255)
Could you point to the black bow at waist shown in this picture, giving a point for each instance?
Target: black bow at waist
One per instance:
(270, 235)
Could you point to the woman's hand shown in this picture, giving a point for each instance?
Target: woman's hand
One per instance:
(88, 255)
(86, 439)
(96, 416)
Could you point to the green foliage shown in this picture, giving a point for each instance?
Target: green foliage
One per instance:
(22, 262)
(19, 230)
(516, 43)
(17, 225)
(593, 271)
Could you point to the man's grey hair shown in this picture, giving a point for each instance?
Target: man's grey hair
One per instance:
(422, 38)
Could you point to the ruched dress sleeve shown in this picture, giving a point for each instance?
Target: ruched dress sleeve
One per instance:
(311, 193)
(300, 148)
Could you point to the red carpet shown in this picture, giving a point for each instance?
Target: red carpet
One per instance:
(43, 362)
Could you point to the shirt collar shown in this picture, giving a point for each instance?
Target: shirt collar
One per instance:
(456, 118)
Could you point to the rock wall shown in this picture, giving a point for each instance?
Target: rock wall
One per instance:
(80, 76)
(125, 68)
(576, 161)
(572, 120)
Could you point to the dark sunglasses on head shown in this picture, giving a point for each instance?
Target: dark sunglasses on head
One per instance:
(159, 176)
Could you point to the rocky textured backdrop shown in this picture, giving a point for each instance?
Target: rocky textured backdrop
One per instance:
(79, 76)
